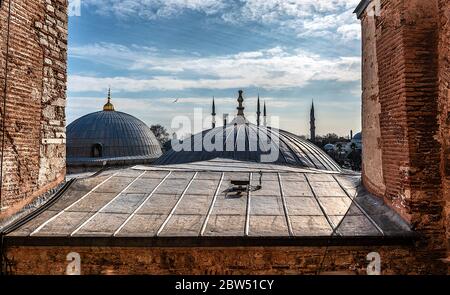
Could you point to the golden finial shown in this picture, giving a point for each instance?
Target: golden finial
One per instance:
(108, 107)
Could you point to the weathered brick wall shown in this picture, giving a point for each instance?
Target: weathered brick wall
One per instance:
(421, 35)
(35, 94)
(390, 55)
(229, 260)
(444, 99)
(410, 55)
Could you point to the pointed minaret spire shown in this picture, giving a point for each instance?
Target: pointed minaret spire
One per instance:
(108, 107)
(258, 112)
(312, 123)
(213, 113)
(265, 114)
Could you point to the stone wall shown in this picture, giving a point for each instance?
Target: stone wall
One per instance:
(221, 260)
(33, 58)
(371, 110)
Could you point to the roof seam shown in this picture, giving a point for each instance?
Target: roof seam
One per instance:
(286, 211)
(71, 205)
(175, 206)
(106, 205)
(332, 225)
(211, 207)
(142, 204)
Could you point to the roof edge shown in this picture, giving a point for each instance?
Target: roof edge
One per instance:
(359, 10)
(73, 162)
(406, 239)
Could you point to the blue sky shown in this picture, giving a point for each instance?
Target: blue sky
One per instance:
(151, 52)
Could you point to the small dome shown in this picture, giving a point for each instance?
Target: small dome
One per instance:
(112, 136)
(357, 136)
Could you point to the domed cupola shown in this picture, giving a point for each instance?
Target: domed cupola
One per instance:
(111, 136)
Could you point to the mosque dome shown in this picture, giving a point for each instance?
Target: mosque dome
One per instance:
(357, 137)
(111, 136)
(243, 141)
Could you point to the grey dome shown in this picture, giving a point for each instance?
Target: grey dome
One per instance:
(110, 135)
(293, 150)
(357, 136)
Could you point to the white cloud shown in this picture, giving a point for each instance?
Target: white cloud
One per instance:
(350, 31)
(152, 9)
(273, 68)
(329, 26)
(273, 10)
(110, 53)
(314, 18)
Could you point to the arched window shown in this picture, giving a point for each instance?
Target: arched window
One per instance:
(97, 150)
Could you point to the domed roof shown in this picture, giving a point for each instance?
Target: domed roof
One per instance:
(248, 142)
(357, 136)
(243, 141)
(110, 135)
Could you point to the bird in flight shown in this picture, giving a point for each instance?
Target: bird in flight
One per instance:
(176, 100)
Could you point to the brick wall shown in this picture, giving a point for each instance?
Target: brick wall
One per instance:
(424, 129)
(390, 55)
(34, 118)
(229, 260)
(411, 44)
(444, 99)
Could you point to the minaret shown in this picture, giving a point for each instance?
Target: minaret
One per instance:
(312, 123)
(240, 108)
(108, 107)
(258, 112)
(265, 115)
(213, 114)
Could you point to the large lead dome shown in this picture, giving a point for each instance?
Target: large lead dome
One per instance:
(243, 141)
(110, 136)
(293, 150)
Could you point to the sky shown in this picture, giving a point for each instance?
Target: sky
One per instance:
(154, 52)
